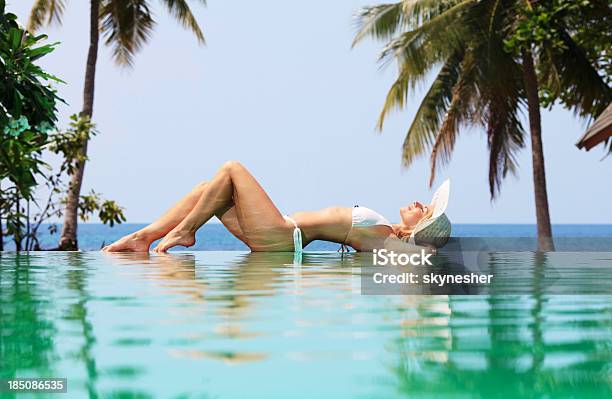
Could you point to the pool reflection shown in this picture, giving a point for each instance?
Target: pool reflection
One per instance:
(127, 324)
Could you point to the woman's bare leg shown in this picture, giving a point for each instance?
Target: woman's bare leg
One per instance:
(233, 187)
(231, 222)
(141, 240)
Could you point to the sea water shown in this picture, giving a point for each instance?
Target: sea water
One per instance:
(214, 236)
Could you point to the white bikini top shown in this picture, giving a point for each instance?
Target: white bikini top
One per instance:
(364, 217)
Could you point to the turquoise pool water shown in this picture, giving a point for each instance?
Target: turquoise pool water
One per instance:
(240, 325)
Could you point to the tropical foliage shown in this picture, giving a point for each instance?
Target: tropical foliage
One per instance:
(27, 129)
(572, 40)
(27, 114)
(126, 26)
(490, 60)
(473, 46)
(25, 215)
(68, 144)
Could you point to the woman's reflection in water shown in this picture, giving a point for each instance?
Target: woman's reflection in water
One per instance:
(227, 288)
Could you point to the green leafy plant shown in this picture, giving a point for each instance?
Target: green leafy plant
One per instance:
(571, 39)
(27, 114)
(491, 60)
(126, 26)
(67, 144)
(109, 211)
(27, 129)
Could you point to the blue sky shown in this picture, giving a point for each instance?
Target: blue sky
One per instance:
(278, 87)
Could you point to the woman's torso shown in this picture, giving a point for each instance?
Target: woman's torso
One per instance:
(359, 227)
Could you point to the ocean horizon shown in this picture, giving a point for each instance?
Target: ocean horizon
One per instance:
(215, 237)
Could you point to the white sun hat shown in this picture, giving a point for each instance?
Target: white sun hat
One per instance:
(436, 228)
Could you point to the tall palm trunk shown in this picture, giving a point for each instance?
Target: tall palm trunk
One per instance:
(1, 231)
(530, 80)
(17, 233)
(68, 240)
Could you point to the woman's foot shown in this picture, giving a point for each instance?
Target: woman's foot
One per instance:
(176, 237)
(135, 242)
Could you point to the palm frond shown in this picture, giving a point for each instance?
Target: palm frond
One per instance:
(441, 32)
(127, 26)
(381, 22)
(411, 72)
(458, 113)
(384, 21)
(418, 52)
(505, 138)
(425, 125)
(498, 106)
(181, 11)
(45, 12)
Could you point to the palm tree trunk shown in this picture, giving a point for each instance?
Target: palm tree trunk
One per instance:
(68, 240)
(530, 80)
(17, 233)
(1, 231)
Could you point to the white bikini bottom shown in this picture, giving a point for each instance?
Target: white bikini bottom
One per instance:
(297, 236)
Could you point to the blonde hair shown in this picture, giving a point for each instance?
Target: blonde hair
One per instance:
(404, 232)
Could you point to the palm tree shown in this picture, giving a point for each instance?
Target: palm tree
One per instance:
(479, 82)
(127, 26)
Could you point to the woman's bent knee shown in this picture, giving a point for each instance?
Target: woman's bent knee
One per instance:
(200, 187)
(231, 166)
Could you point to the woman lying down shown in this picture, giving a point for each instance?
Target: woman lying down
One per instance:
(244, 208)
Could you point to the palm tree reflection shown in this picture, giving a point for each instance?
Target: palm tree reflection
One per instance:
(504, 344)
(27, 329)
(76, 276)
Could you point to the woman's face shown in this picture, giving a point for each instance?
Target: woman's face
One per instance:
(415, 212)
